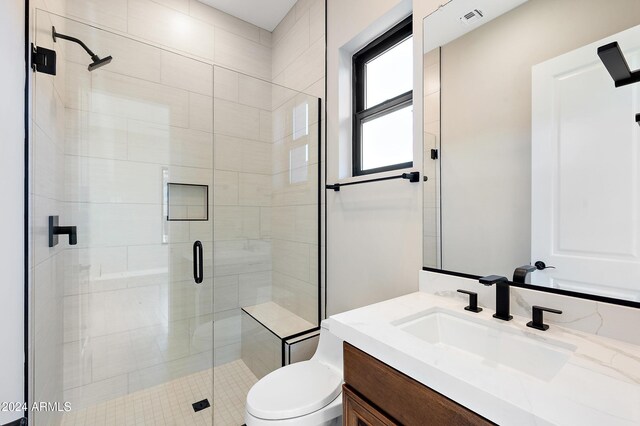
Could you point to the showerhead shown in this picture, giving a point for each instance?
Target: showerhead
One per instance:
(97, 62)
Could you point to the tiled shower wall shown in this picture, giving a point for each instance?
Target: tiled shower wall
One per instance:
(242, 162)
(185, 26)
(298, 63)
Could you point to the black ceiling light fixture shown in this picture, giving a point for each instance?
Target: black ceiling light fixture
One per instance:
(615, 62)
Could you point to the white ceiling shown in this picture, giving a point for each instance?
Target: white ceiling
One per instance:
(265, 14)
(444, 25)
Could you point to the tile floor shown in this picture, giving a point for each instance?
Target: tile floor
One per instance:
(170, 403)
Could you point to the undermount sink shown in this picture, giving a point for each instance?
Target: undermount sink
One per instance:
(489, 342)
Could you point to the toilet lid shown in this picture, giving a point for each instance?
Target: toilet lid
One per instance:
(293, 391)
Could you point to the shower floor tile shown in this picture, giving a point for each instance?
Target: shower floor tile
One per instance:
(170, 403)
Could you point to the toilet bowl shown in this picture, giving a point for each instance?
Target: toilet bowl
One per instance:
(305, 393)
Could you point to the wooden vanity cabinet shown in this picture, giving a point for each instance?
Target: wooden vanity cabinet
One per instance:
(375, 394)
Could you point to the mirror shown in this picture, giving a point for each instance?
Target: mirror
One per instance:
(532, 153)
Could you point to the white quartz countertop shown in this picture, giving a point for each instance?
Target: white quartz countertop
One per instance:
(598, 385)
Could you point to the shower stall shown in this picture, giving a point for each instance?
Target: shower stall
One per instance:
(192, 191)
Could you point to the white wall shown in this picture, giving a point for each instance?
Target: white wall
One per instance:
(12, 194)
(374, 230)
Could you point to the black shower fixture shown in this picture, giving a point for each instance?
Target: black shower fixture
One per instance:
(613, 59)
(97, 61)
(615, 62)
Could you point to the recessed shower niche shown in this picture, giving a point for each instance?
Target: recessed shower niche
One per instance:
(186, 201)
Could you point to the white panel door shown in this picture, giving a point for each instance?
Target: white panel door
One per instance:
(585, 183)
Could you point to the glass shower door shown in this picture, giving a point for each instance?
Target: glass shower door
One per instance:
(122, 321)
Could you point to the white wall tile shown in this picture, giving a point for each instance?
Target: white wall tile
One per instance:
(95, 135)
(226, 84)
(182, 6)
(225, 293)
(237, 120)
(130, 57)
(138, 99)
(234, 222)
(241, 256)
(254, 190)
(295, 223)
(201, 112)
(265, 37)
(225, 21)
(78, 87)
(186, 73)
(242, 155)
(254, 92)
(305, 69)
(161, 144)
(241, 54)
(284, 26)
(316, 20)
(112, 14)
(98, 180)
(291, 259)
(226, 188)
(292, 45)
(102, 225)
(265, 222)
(48, 159)
(254, 288)
(162, 25)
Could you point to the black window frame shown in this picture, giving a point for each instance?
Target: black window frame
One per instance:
(400, 32)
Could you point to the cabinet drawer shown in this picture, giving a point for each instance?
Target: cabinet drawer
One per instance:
(403, 399)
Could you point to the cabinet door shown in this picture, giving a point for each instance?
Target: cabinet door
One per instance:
(357, 412)
(402, 398)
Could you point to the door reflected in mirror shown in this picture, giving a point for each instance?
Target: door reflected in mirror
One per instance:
(532, 153)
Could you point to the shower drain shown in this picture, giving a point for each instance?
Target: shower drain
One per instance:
(200, 405)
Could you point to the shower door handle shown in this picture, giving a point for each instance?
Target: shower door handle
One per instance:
(198, 255)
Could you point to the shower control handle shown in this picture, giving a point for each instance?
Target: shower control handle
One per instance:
(198, 269)
(55, 230)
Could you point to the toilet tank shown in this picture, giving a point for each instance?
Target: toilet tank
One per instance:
(329, 350)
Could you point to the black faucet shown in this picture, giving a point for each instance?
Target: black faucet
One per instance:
(502, 295)
(521, 273)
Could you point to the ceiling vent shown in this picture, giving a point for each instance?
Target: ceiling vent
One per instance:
(471, 17)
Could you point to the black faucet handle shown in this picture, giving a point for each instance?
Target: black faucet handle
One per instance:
(473, 301)
(537, 314)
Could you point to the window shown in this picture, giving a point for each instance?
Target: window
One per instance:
(383, 101)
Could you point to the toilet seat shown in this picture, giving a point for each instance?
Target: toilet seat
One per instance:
(294, 391)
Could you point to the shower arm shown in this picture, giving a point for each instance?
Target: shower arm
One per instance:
(94, 57)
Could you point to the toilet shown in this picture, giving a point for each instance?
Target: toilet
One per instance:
(305, 393)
